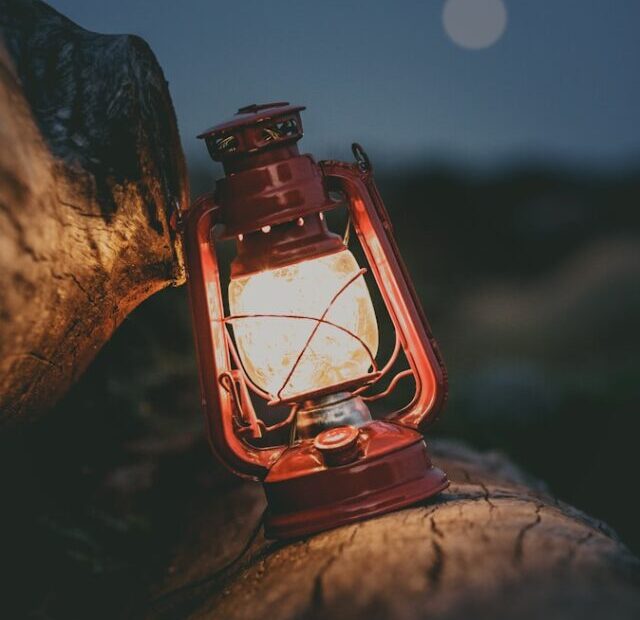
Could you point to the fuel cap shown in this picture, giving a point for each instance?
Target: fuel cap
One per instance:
(338, 445)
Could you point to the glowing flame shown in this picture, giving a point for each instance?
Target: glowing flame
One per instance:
(270, 347)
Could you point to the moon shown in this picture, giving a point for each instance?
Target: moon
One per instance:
(474, 24)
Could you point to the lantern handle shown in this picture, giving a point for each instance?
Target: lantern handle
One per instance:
(213, 355)
(375, 232)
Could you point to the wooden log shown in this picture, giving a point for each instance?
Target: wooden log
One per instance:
(90, 169)
(495, 545)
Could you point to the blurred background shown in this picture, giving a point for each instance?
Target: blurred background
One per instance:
(506, 141)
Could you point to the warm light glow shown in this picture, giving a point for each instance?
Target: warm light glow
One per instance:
(269, 347)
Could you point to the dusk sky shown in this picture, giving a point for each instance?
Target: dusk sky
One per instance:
(560, 82)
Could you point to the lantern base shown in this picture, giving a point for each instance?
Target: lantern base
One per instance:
(391, 471)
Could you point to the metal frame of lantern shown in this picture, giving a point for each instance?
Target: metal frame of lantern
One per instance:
(340, 474)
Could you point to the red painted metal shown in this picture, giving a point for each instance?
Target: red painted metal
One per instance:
(306, 237)
(248, 128)
(393, 470)
(272, 194)
(338, 445)
(313, 484)
(205, 297)
(267, 181)
(375, 232)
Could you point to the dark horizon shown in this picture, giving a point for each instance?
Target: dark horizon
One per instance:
(560, 83)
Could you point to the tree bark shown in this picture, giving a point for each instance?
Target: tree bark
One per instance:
(494, 545)
(90, 169)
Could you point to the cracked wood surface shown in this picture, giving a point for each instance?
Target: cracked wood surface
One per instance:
(90, 167)
(494, 545)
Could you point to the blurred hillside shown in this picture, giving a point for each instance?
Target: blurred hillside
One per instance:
(531, 281)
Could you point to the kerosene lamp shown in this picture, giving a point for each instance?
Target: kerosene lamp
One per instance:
(295, 327)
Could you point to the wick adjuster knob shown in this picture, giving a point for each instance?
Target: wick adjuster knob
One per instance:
(338, 445)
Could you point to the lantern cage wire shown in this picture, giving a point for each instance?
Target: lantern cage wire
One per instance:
(248, 421)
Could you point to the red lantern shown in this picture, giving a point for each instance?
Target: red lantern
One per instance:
(296, 328)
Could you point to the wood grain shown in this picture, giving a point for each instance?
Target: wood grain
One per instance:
(495, 545)
(90, 170)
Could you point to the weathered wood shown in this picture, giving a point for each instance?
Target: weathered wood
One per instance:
(495, 545)
(90, 168)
